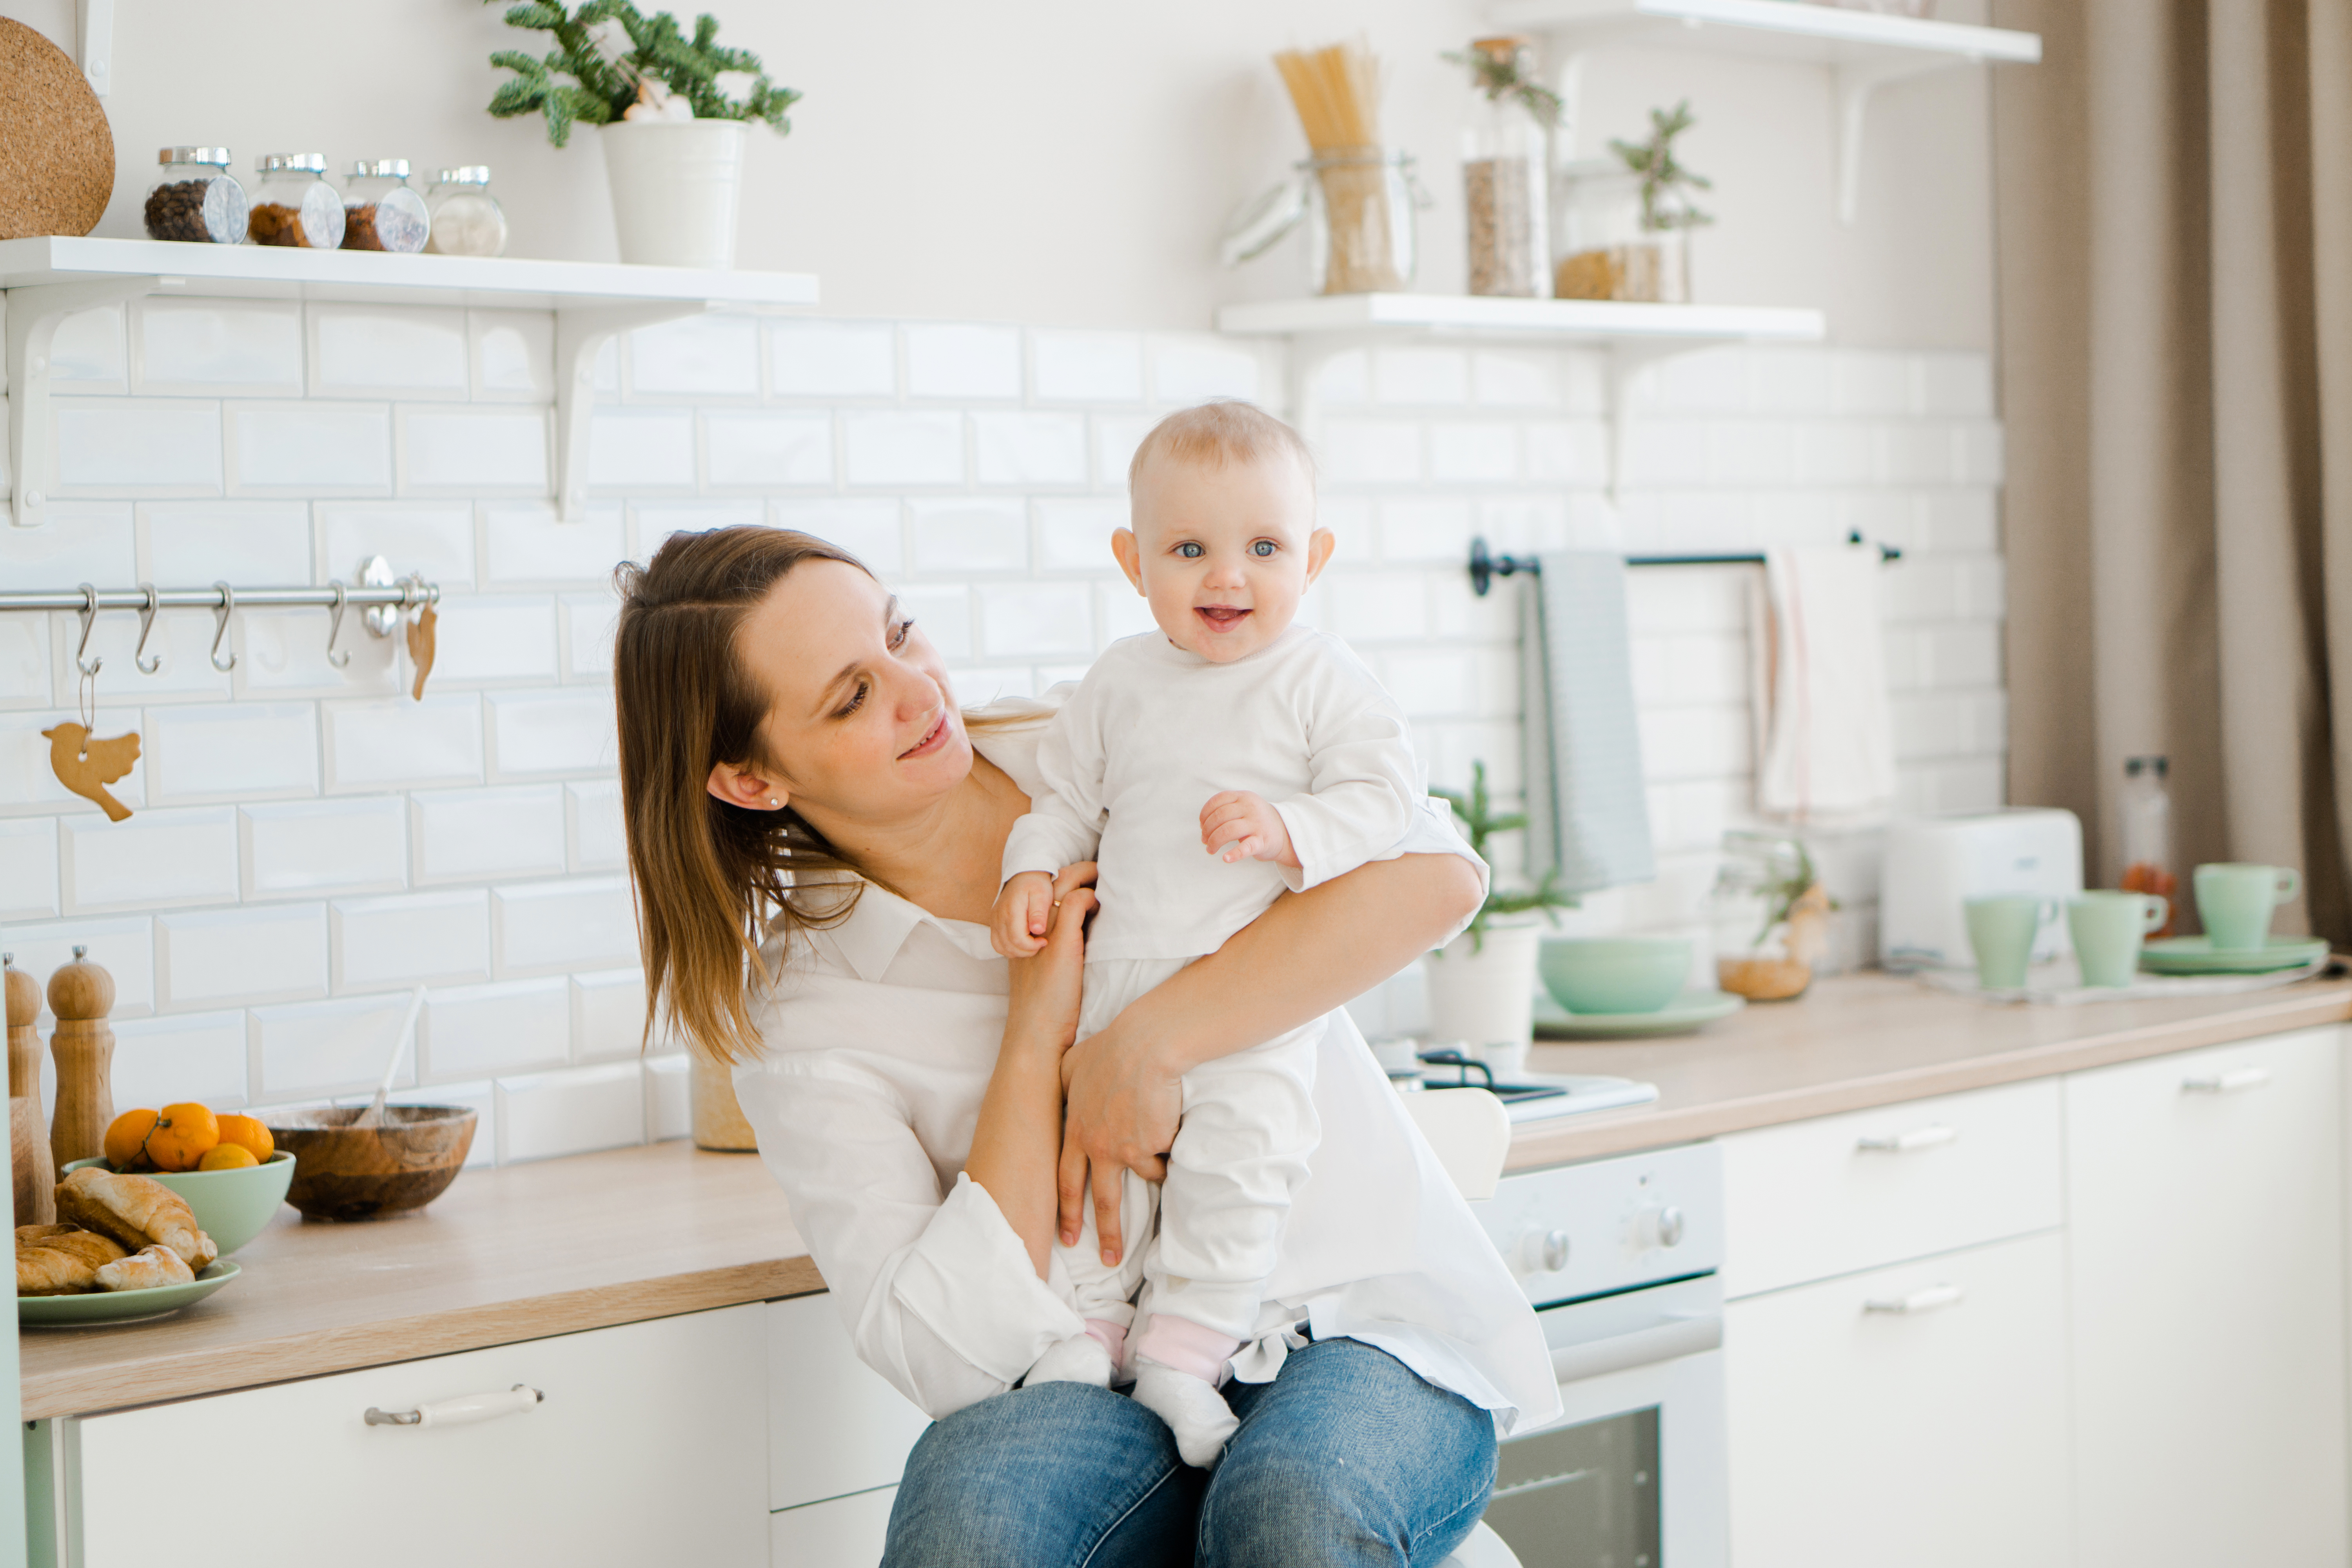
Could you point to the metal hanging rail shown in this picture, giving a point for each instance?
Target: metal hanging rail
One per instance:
(1485, 567)
(406, 594)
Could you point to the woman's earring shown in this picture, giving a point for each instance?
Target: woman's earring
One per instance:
(774, 801)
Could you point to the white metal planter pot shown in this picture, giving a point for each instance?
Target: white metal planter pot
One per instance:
(676, 189)
(1486, 996)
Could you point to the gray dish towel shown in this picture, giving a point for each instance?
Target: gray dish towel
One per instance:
(1588, 811)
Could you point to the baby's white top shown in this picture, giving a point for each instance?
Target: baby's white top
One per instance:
(1154, 731)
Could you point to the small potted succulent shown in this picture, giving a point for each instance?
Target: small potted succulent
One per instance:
(1773, 917)
(1626, 220)
(671, 109)
(1482, 985)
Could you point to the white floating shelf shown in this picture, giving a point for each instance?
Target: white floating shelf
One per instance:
(1781, 29)
(48, 279)
(1557, 321)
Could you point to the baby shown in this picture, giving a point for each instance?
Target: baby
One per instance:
(1205, 767)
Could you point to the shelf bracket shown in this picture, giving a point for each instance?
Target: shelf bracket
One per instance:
(94, 41)
(32, 316)
(1626, 361)
(580, 334)
(1855, 85)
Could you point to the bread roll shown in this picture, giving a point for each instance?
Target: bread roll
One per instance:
(145, 1269)
(136, 1211)
(60, 1260)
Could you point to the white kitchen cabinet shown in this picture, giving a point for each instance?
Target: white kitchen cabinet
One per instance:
(840, 1532)
(835, 1426)
(650, 1447)
(2206, 1255)
(1911, 1414)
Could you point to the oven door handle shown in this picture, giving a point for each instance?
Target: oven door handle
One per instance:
(1679, 1336)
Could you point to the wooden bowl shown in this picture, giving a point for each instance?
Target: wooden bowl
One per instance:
(341, 1172)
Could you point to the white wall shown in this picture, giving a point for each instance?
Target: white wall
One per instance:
(1069, 162)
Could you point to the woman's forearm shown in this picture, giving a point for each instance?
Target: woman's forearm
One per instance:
(1017, 1141)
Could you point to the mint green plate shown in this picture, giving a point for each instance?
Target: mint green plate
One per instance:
(2197, 955)
(1685, 1014)
(230, 1206)
(120, 1305)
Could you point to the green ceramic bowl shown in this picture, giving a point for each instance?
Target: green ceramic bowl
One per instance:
(1616, 974)
(231, 1207)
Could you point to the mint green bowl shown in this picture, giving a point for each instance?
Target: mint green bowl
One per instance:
(231, 1207)
(1614, 974)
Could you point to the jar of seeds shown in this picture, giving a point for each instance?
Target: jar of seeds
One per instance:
(380, 212)
(1505, 170)
(195, 197)
(467, 219)
(293, 203)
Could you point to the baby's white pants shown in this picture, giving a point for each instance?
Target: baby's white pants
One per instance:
(1241, 1153)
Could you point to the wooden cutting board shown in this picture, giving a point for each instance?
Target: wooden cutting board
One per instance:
(57, 153)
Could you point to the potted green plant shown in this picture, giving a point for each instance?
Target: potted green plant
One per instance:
(1626, 219)
(1482, 985)
(1774, 917)
(671, 111)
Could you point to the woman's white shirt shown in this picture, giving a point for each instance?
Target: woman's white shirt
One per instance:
(879, 1041)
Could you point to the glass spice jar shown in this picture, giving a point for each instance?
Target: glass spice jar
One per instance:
(380, 211)
(1359, 221)
(1607, 248)
(467, 219)
(293, 203)
(2149, 865)
(1504, 169)
(195, 197)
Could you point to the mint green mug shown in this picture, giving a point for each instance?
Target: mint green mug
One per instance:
(2108, 928)
(2234, 901)
(2002, 930)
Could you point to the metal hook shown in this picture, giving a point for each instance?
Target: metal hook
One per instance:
(220, 627)
(335, 629)
(88, 613)
(146, 625)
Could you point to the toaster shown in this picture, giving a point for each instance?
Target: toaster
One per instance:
(1933, 863)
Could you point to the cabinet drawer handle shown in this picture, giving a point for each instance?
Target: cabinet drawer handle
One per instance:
(2229, 1082)
(1904, 1142)
(1924, 1300)
(464, 1410)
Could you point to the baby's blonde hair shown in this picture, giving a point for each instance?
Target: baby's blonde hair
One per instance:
(1225, 431)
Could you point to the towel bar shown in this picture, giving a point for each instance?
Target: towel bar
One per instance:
(1484, 568)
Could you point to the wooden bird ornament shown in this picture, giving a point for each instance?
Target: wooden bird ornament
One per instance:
(85, 766)
(420, 649)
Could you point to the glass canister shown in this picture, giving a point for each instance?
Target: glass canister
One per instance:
(1504, 170)
(2147, 823)
(467, 219)
(1359, 221)
(380, 212)
(293, 203)
(195, 197)
(1607, 248)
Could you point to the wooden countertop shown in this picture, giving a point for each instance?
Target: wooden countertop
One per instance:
(586, 1243)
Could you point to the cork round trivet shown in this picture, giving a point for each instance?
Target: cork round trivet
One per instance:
(56, 154)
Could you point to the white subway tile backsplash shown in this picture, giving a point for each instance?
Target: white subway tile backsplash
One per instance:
(469, 834)
(245, 541)
(181, 640)
(749, 450)
(436, 540)
(478, 1030)
(475, 451)
(1421, 376)
(656, 524)
(567, 733)
(700, 356)
(393, 743)
(597, 838)
(953, 360)
(891, 447)
(1117, 436)
(312, 1048)
(970, 536)
(1378, 607)
(323, 846)
(943, 615)
(245, 347)
(124, 446)
(1504, 378)
(527, 542)
(322, 449)
(1074, 535)
(484, 638)
(284, 653)
(541, 928)
(87, 351)
(124, 945)
(589, 622)
(149, 859)
(608, 1014)
(550, 1114)
(669, 1112)
(513, 356)
(1086, 367)
(1188, 370)
(24, 661)
(481, 1098)
(277, 952)
(1038, 621)
(190, 1055)
(1371, 451)
(1341, 380)
(832, 359)
(1435, 529)
(358, 351)
(242, 750)
(79, 542)
(870, 529)
(1030, 448)
(653, 450)
(414, 939)
(28, 869)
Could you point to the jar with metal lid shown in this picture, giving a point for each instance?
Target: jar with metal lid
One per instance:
(195, 197)
(467, 219)
(293, 203)
(380, 212)
(1505, 170)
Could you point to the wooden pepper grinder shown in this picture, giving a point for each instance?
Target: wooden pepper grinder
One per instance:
(35, 1172)
(81, 994)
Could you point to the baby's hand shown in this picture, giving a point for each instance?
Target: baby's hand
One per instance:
(1243, 825)
(1024, 912)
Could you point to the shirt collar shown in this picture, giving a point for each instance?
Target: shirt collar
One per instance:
(877, 931)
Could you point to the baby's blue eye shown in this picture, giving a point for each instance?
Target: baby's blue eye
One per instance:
(1263, 547)
(1189, 551)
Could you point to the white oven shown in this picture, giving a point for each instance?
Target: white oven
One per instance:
(1619, 1258)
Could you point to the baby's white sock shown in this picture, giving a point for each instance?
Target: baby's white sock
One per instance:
(1090, 1357)
(1195, 1412)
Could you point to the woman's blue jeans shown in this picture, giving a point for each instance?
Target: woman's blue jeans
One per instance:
(1345, 1460)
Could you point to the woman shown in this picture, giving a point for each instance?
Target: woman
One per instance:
(804, 801)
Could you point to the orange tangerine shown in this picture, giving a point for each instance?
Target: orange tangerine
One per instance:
(226, 1157)
(248, 1133)
(184, 1134)
(126, 1137)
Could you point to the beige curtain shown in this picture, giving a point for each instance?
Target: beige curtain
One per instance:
(2174, 205)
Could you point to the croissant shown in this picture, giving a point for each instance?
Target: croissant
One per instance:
(145, 1269)
(60, 1260)
(134, 1211)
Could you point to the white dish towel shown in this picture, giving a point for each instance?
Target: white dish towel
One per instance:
(1828, 752)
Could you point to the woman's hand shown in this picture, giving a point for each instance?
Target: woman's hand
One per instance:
(1122, 1104)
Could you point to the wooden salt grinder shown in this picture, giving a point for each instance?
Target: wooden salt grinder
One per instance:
(28, 1159)
(81, 994)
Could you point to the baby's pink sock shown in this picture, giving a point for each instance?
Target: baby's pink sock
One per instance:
(1187, 1347)
(1111, 1336)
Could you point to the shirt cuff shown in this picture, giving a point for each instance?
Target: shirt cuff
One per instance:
(1026, 852)
(970, 1280)
(1320, 859)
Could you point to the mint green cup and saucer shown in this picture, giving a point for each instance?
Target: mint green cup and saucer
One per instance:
(1685, 1014)
(2002, 929)
(2197, 955)
(2108, 928)
(2235, 903)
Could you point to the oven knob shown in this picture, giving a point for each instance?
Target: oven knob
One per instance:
(1661, 1226)
(1544, 1252)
